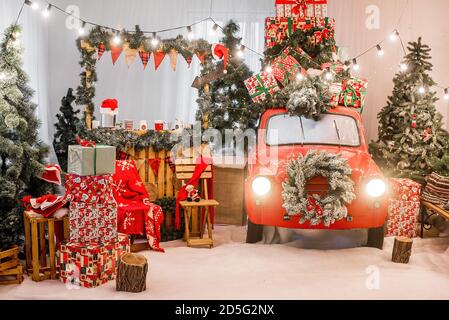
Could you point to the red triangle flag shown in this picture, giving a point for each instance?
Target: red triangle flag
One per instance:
(115, 52)
(145, 57)
(201, 56)
(101, 50)
(158, 58)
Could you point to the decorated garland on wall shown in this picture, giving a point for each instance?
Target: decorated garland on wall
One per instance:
(313, 208)
(134, 43)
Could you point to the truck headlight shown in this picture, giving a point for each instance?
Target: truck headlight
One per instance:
(376, 188)
(261, 186)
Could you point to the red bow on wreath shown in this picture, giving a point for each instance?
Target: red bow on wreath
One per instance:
(86, 143)
(314, 206)
(301, 6)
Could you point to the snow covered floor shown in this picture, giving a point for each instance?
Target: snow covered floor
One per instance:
(235, 270)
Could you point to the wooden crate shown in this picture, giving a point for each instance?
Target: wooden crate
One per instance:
(12, 276)
(9, 259)
(229, 190)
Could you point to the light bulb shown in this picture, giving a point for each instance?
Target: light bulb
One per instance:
(403, 67)
(394, 35)
(328, 75)
(380, 51)
(422, 90)
(446, 94)
(355, 65)
(117, 40)
(269, 69)
(190, 34)
(214, 29)
(154, 40)
(34, 5)
(82, 29)
(299, 77)
(2, 76)
(46, 12)
(240, 53)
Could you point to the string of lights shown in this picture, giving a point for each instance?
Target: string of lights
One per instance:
(394, 36)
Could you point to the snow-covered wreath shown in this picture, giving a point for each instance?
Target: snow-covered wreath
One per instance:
(313, 208)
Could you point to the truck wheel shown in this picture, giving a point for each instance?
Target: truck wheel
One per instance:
(254, 232)
(376, 237)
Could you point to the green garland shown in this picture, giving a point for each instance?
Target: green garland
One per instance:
(87, 46)
(313, 208)
(123, 139)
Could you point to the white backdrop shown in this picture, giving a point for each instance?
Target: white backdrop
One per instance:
(167, 95)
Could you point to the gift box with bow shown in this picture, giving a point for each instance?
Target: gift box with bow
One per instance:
(91, 161)
(354, 93)
(301, 8)
(278, 29)
(285, 69)
(261, 85)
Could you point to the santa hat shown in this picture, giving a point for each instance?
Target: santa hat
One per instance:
(52, 174)
(109, 106)
(220, 52)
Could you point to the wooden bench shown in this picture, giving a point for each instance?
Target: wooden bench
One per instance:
(436, 209)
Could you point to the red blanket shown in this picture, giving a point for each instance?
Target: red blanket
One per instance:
(136, 214)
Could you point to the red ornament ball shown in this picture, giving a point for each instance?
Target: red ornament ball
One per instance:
(414, 125)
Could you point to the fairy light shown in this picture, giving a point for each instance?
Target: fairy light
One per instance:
(154, 40)
(34, 5)
(403, 67)
(190, 34)
(269, 69)
(46, 12)
(355, 65)
(380, 51)
(328, 75)
(241, 51)
(214, 28)
(394, 35)
(300, 77)
(117, 40)
(446, 94)
(421, 90)
(82, 29)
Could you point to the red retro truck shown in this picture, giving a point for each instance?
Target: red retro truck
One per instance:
(282, 137)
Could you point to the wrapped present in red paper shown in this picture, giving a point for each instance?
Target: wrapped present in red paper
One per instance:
(279, 29)
(335, 66)
(90, 265)
(335, 91)
(261, 85)
(404, 207)
(301, 8)
(92, 222)
(89, 189)
(285, 68)
(353, 93)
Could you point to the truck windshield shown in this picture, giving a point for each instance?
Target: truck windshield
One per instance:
(332, 129)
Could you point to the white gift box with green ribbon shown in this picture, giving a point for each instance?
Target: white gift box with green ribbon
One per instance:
(91, 161)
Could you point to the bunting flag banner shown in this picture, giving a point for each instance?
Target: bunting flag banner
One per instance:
(188, 57)
(100, 51)
(115, 53)
(158, 58)
(144, 57)
(130, 55)
(201, 56)
(173, 58)
(154, 165)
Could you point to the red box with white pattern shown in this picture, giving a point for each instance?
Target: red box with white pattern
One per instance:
(301, 8)
(404, 207)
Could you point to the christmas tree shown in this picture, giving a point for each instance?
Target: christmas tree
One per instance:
(21, 152)
(410, 130)
(225, 103)
(66, 129)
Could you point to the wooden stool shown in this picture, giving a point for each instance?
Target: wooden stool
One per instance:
(36, 246)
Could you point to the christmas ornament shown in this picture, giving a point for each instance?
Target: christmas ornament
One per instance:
(12, 121)
(192, 194)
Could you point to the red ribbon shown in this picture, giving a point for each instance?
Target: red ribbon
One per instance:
(86, 143)
(301, 6)
(313, 205)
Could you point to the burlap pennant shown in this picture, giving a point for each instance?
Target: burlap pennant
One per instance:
(173, 58)
(130, 54)
(201, 56)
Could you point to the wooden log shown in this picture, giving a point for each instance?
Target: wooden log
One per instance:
(132, 273)
(402, 250)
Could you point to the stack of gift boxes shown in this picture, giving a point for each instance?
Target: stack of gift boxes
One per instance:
(305, 15)
(90, 257)
(404, 208)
